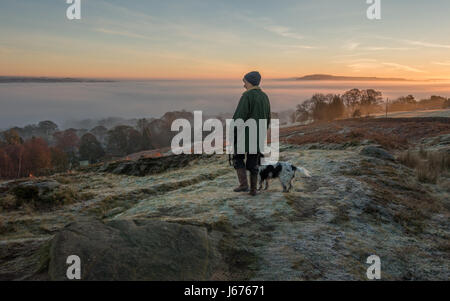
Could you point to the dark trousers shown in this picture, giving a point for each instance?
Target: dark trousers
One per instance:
(251, 163)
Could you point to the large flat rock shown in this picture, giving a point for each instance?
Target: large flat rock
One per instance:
(137, 250)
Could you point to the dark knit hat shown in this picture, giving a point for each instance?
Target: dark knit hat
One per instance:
(253, 77)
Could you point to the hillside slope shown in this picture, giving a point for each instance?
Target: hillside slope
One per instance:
(359, 201)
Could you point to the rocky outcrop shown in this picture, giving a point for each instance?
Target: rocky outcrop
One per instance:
(376, 152)
(24, 259)
(146, 166)
(138, 250)
(439, 143)
(38, 194)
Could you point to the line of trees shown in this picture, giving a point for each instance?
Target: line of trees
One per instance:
(408, 103)
(446, 104)
(42, 148)
(36, 156)
(357, 103)
(20, 158)
(326, 107)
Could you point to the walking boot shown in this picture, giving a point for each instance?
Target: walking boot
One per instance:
(253, 183)
(242, 177)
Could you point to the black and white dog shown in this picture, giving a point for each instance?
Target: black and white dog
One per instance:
(282, 170)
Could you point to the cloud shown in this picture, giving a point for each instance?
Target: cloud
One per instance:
(351, 46)
(403, 67)
(121, 33)
(122, 10)
(358, 46)
(271, 26)
(447, 63)
(353, 61)
(283, 31)
(364, 65)
(414, 42)
(138, 24)
(380, 48)
(348, 55)
(288, 49)
(358, 64)
(426, 44)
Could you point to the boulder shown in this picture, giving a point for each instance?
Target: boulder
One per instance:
(137, 250)
(32, 190)
(45, 194)
(376, 152)
(23, 259)
(147, 166)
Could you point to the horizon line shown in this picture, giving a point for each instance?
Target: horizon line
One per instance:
(217, 78)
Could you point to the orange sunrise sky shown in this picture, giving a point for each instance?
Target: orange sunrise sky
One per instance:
(224, 39)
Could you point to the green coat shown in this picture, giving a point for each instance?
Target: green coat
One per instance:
(254, 104)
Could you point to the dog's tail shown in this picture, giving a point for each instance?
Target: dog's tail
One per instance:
(302, 171)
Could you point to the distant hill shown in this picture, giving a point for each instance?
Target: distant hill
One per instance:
(346, 78)
(26, 79)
